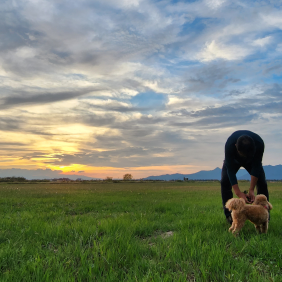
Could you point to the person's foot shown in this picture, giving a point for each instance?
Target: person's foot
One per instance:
(229, 219)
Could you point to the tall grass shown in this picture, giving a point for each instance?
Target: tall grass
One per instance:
(117, 232)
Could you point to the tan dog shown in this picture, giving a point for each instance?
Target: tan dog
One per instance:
(257, 213)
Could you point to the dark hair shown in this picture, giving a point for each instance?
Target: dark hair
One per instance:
(246, 145)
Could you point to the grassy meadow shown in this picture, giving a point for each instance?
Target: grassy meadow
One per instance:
(173, 231)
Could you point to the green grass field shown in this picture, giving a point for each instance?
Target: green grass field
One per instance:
(132, 232)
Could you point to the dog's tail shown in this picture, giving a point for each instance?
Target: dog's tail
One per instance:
(235, 204)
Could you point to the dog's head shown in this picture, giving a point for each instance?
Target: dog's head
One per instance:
(262, 200)
(235, 204)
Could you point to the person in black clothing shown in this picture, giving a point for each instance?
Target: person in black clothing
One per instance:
(242, 149)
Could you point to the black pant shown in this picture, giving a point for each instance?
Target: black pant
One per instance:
(226, 188)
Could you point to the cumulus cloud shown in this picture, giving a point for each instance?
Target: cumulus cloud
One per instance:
(214, 50)
(215, 4)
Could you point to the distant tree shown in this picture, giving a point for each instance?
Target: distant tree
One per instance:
(13, 179)
(127, 176)
(109, 178)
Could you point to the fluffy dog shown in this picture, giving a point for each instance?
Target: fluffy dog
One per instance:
(257, 213)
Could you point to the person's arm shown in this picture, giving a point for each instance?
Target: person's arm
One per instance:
(256, 169)
(253, 184)
(231, 167)
(233, 179)
(229, 162)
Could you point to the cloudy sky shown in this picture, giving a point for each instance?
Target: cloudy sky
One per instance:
(105, 87)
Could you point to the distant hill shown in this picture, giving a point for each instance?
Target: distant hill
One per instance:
(271, 172)
(40, 174)
(201, 175)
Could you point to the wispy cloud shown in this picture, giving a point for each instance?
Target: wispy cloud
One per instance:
(26, 98)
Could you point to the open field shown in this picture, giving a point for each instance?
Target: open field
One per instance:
(121, 232)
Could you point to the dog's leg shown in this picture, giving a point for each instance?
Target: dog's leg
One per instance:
(264, 227)
(258, 228)
(232, 226)
(238, 227)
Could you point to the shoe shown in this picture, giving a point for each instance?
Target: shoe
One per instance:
(229, 219)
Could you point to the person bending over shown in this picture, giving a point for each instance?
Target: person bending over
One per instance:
(242, 149)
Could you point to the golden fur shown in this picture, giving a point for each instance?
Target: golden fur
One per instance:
(257, 213)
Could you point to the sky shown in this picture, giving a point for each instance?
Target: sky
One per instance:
(104, 87)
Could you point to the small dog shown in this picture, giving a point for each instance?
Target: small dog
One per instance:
(257, 213)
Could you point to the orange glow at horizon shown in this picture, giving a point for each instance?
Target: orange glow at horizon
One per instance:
(137, 172)
(8, 162)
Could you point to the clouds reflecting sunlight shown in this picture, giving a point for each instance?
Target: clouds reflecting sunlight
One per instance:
(147, 87)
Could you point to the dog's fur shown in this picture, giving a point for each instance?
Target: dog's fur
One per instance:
(257, 213)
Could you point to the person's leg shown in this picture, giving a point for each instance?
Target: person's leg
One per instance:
(262, 188)
(226, 189)
(261, 184)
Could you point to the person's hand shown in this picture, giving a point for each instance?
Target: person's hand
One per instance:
(251, 195)
(244, 196)
(240, 194)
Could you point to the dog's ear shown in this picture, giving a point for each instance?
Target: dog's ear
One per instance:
(242, 200)
(269, 205)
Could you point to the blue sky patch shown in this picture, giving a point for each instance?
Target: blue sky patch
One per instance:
(149, 100)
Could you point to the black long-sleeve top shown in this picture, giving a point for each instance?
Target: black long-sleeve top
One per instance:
(233, 159)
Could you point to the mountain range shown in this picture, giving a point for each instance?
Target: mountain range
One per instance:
(40, 174)
(271, 173)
